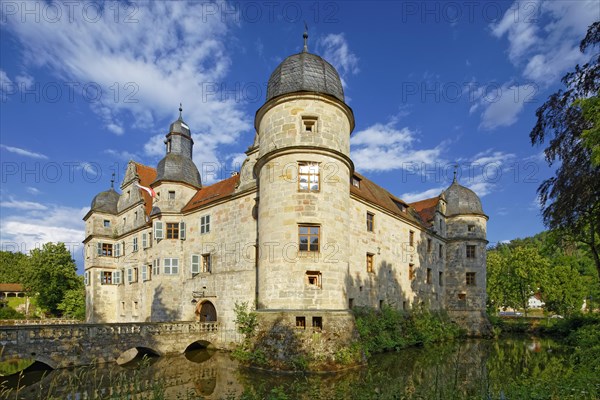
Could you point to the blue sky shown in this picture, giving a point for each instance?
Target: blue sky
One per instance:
(85, 87)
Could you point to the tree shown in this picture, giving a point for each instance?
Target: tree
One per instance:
(73, 303)
(13, 267)
(563, 290)
(590, 110)
(52, 275)
(571, 199)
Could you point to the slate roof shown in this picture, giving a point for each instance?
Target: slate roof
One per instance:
(305, 72)
(461, 200)
(178, 168)
(212, 193)
(147, 176)
(105, 202)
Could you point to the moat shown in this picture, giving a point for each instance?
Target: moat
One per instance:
(458, 370)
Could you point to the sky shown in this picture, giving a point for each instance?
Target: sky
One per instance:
(87, 86)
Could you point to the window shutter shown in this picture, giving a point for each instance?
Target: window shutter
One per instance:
(158, 230)
(117, 250)
(182, 230)
(195, 264)
(144, 273)
(99, 247)
(144, 240)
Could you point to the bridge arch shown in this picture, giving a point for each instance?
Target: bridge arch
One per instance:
(206, 311)
(136, 353)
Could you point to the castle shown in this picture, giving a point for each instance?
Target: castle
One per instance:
(297, 232)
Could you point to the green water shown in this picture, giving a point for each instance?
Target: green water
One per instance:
(520, 368)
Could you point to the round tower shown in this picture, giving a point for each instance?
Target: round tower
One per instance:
(303, 172)
(466, 258)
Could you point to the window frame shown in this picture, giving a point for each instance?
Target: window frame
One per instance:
(205, 224)
(318, 280)
(135, 243)
(370, 222)
(170, 266)
(309, 235)
(471, 251)
(370, 259)
(172, 230)
(470, 279)
(206, 263)
(309, 175)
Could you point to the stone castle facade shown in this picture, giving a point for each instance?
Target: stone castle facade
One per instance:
(297, 232)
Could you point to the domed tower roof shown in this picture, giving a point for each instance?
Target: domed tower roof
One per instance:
(461, 200)
(106, 201)
(177, 165)
(305, 72)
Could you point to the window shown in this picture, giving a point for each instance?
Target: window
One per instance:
(470, 278)
(135, 216)
(195, 264)
(317, 323)
(86, 278)
(381, 304)
(118, 250)
(158, 230)
(172, 230)
(370, 262)
(308, 237)
(429, 278)
(441, 250)
(313, 279)
(411, 271)
(308, 177)
(156, 267)
(205, 224)
(116, 275)
(309, 124)
(206, 263)
(171, 266)
(106, 223)
(471, 228)
(301, 322)
(144, 273)
(135, 244)
(144, 240)
(411, 238)
(106, 278)
(470, 251)
(355, 182)
(171, 195)
(429, 245)
(462, 297)
(350, 303)
(441, 278)
(370, 221)
(124, 221)
(105, 249)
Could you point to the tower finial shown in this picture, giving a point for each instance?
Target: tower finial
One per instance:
(180, 111)
(305, 36)
(112, 181)
(455, 170)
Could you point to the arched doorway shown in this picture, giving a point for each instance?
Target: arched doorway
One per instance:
(206, 312)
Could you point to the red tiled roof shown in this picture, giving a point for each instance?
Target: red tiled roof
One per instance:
(426, 208)
(147, 176)
(374, 193)
(212, 193)
(11, 287)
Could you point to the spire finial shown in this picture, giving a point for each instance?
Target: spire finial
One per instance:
(305, 36)
(180, 111)
(112, 181)
(455, 171)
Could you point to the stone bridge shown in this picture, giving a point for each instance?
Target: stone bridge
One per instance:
(66, 345)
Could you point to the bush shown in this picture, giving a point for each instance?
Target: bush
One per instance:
(10, 313)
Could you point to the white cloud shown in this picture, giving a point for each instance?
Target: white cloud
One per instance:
(335, 49)
(543, 36)
(33, 227)
(503, 105)
(32, 190)
(5, 85)
(384, 147)
(23, 152)
(123, 155)
(22, 205)
(186, 63)
(411, 197)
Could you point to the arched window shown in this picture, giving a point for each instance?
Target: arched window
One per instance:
(206, 312)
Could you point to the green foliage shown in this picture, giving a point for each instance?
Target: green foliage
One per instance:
(390, 329)
(246, 320)
(73, 303)
(52, 275)
(10, 313)
(13, 267)
(590, 110)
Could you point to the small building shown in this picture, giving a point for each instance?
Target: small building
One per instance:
(11, 290)
(535, 302)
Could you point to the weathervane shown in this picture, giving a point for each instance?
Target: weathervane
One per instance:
(112, 181)
(305, 36)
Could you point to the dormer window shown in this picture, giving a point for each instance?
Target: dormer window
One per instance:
(171, 195)
(309, 124)
(355, 182)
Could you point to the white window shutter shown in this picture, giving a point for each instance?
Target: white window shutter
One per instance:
(158, 230)
(99, 247)
(182, 230)
(195, 264)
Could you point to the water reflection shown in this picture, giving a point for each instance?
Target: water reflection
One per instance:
(459, 370)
